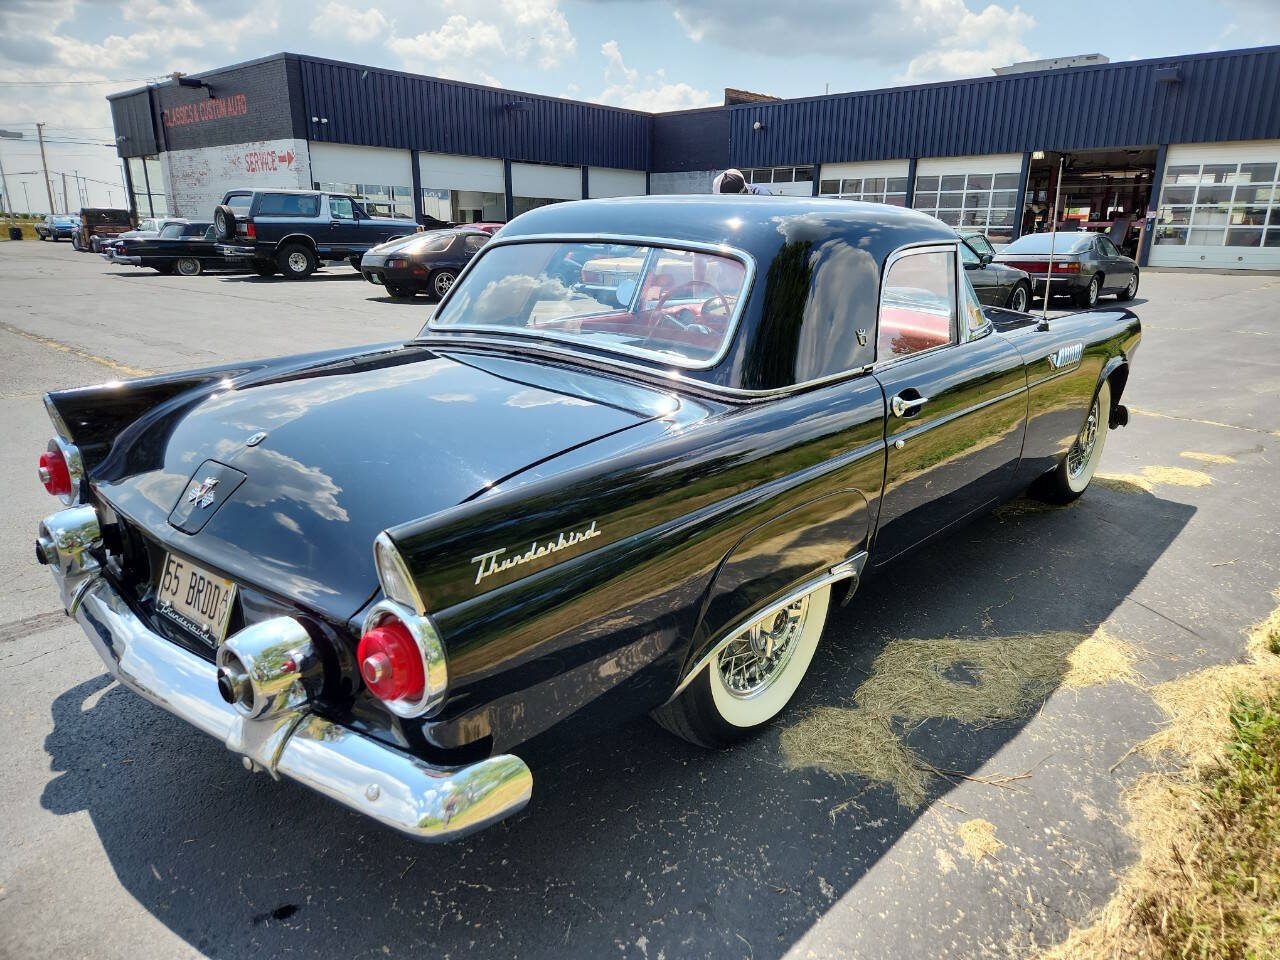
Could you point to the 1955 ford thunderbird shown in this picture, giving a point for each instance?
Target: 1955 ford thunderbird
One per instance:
(380, 571)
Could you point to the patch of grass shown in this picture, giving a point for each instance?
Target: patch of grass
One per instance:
(1207, 457)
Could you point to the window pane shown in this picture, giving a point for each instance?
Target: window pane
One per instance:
(1171, 235)
(896, 199)
(1217, 172)
(972, 200)
(1005, 198)
(1006, 181)
(954, 182)
(829, 187)
(1248, 216)
(520, 290)
(1204, 238)
(1187, 173)
(1275, 217)
(950, 201)
(851, 186)
(1257, 173)
(925, 201)
(1175, 215)
(1206, 216)
(1244, 238)
(979, 181)
(783, 174)
(950, 217)
(1178, 195)
(929, 184)
(1260, 195)
(1213, 195)
(1000, 218)
(895, 185)
(917, 309)
(804, 175)
(1273, 238)
(974, 218)
(873, 185)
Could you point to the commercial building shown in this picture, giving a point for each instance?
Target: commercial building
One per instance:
(1177, 158)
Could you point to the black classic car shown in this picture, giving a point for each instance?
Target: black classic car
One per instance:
(1082, 266)
(382, 571)
(423, 263)
(291, 232)
(996, 284)
(183, 248)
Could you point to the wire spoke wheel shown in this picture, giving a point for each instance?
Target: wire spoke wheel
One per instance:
(754, 659)
(1082, 450)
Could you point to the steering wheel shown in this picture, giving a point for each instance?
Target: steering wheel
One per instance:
(688, 287)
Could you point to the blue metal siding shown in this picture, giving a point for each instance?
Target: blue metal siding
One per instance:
(1226, 96)
(381, 108)
(690, 140)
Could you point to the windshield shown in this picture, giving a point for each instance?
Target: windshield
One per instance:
(1039, 243)
(677, 306)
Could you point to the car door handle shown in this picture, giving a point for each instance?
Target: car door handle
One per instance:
(907, 408)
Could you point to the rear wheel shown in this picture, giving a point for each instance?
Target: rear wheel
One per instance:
(1072, 476)
(1088, 297)
(398, 290)
(1131, 288)
(1020, 298)
(748, 682)
(354, 261)
(296, 262)
(188, 266)
(264, 268)
(441, 282)
(75, 242)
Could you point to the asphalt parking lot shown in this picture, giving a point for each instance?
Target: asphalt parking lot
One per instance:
(126, 833)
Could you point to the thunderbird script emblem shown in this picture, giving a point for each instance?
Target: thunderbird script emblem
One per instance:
(201, 492)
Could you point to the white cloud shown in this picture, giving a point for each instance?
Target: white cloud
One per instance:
(359, 26)
(972, 43)
(465, 44)
(624, 87)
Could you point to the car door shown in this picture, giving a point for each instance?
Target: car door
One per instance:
(345, 236)
(956, 393)
(1117, 268)
(985, 280)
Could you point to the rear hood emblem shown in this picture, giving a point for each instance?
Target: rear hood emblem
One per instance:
(209, 488)
(201, 492)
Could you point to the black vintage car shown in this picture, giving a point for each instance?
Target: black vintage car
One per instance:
(996, 284)
(422, 263)
(182, 248)
(382, 571)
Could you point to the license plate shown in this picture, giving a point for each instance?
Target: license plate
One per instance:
(195, 598)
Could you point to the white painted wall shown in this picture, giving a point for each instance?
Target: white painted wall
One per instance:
(681, 182)
(196, 180)
(343, 163)
(877, 168)
(610, 182)
(446, 171)
(1222, 257)
(986, 163)
(544, 180)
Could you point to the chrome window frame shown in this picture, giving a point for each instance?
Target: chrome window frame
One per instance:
(957, 267)
(513, 333)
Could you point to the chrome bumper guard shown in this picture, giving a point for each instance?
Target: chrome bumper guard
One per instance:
(427, 803)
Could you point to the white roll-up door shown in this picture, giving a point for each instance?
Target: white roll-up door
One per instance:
(544, 180)
(883, 181)
(972, 193)
(1219, 206)
(341, 163)
(608, 182)
(446, 171)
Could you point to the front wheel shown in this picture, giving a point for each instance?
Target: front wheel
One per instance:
(1131, 288)
(1020, 299)
(1072, 476)
(188, 266)
(296, 262)
(441, 282)
(751, 678)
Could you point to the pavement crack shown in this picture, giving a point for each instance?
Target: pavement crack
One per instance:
(1168, 619)
(1207, 423)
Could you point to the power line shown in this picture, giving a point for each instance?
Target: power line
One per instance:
(76, 83)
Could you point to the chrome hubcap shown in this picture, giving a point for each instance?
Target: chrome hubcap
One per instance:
(1093, 290)
(443, 283)
(1133, 285)
(297, 262)
(1082, 449)
(755, 658)
(186, 266)
(1020, 300)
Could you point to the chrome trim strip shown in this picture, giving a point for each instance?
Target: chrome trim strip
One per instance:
(722, 249)
(395, 788)
(845, 570)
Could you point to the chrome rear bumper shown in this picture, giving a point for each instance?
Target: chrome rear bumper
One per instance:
(395, 788)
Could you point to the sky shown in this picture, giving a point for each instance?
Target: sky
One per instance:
(652, 55)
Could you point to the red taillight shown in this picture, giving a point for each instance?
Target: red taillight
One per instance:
(250, 230)
(54, 473)
(1066, 266)
(391, 663)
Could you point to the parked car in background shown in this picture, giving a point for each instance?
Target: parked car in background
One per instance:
(149, 227)
(1085, 266)
(183, 248)
(575, 509)
(98, 224)
(423, 263)
(996, 284)
(488, 227)
(57, 227)
(292, 232)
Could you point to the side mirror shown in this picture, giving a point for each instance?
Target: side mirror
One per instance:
(971, 265)
(986, 258)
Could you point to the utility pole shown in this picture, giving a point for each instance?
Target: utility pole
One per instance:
(44, 163)
(8, 197)
(26, 197)
(66, 197)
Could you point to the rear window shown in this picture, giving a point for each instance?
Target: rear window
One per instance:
(173, 231)
(288, 205)
(195, 229)
(661, 303)
(1039, 243)
(240, 201)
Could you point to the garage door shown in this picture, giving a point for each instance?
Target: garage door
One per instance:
(538, 184)
(457, 189)
(974, 193)
(607, 182)
(881, 182)
(381, 177)
(1220, 207)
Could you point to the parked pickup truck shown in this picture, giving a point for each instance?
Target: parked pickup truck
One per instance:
(292, 231)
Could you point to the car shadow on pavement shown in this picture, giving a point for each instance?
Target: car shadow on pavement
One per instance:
(635, 843)
(341, 273)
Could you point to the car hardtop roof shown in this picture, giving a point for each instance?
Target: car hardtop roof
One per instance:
(752, 223)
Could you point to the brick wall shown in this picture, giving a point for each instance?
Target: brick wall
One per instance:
(197, 179)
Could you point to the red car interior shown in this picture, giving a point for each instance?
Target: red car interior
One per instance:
(903, 330)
